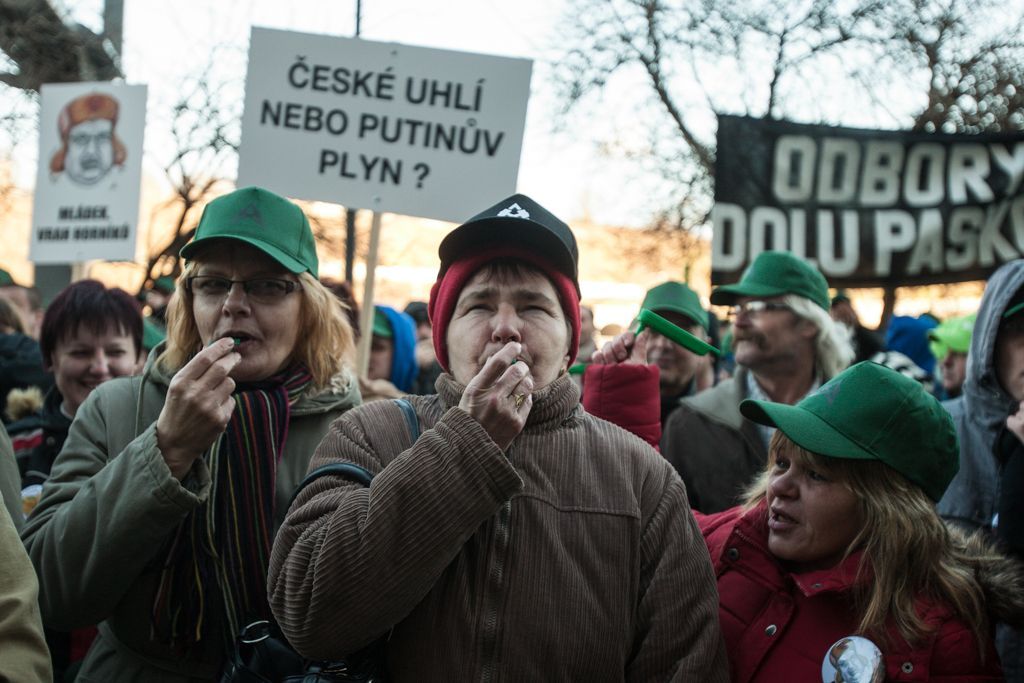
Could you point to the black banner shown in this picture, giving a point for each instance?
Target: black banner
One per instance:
(869, 208)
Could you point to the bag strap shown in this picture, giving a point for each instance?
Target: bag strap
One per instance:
(352, 471)
(411, 420)
(346, 470)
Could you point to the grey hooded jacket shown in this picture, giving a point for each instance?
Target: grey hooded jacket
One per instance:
(980, 416)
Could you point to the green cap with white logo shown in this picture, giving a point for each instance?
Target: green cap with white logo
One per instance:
(269, 222)
(870, 412)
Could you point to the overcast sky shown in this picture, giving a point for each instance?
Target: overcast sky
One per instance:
(166, 42)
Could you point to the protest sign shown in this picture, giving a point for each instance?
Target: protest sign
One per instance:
(382, 126)
(869, 208)
(86, 203)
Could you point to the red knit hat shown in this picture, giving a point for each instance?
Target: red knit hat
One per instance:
(445, 292)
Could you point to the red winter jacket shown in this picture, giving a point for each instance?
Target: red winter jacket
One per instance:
(779, 626)
(625, 395)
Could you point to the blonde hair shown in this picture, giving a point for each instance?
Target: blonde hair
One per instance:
(833, 351)
(325, 346)
(908, 550)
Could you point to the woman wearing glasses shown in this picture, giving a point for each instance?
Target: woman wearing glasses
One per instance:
(159, 514)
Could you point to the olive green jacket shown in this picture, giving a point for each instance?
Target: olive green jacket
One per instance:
(102, 526)
(23, 654)
(10, 481)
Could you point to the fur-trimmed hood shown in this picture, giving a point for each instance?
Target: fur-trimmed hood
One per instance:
(1000, 577)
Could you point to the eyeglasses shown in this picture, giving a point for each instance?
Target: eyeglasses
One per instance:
(757, 306)
(264, 290)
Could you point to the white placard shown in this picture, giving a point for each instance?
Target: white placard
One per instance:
(86, 203)
(382, 126)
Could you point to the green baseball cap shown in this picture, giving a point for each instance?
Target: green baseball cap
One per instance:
(774, 273)
(151, 334)
(267, 221)
(1014, 310)
(381, 324)
(164, 283)
(678, 298)
(841, 295)
(870, 412)
(952, 335)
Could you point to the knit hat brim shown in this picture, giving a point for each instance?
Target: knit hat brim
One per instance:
(445, 292)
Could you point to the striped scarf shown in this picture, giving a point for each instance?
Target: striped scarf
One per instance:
(221, 551)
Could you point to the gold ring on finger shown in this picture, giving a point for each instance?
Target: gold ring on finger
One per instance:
(519, 398)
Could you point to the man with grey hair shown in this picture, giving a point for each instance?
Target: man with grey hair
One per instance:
(785, 345)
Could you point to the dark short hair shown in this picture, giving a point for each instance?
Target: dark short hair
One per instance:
(417, 310)
(88, 303)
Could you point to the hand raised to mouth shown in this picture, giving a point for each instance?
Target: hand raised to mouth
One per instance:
(500, 397)
(198, 406)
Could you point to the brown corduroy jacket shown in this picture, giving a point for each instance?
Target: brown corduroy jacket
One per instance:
(573, 556)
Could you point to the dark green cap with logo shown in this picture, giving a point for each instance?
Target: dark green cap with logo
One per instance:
(870, 412)
(678, 298)
(517, 220)
(267, 221)
(775, 273)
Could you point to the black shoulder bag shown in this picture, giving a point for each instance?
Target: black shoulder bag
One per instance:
(263, 655)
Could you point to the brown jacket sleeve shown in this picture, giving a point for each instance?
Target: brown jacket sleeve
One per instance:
(679, 598)
(349, 563)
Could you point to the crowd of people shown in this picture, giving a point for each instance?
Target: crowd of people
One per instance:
(810, 500)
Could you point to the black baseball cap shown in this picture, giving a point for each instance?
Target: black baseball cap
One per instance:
(519, 221)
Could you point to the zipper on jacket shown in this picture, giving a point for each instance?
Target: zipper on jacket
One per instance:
(496, 585)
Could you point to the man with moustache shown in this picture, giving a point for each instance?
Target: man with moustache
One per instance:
(785, 345)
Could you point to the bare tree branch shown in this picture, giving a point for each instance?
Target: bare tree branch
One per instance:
(204, 126)
(46, 50)
(701, 57)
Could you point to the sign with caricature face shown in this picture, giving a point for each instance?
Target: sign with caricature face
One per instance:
(382, 126)
(90, 168)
